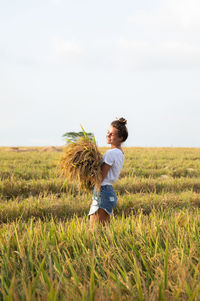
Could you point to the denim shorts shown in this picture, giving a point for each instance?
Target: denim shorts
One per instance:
(105, 199)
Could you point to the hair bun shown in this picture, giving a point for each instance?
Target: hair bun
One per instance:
(122, 121)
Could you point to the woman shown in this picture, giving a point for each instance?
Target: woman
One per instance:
(104, 202)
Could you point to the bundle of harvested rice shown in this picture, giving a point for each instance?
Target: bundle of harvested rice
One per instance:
(81, 163)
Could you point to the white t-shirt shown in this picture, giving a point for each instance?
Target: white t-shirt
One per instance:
(115, 158)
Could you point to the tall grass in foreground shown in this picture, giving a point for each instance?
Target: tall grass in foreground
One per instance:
(150, 251)
(153, 257)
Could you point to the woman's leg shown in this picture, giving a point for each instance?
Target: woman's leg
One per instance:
(104, 217)
(100, 216)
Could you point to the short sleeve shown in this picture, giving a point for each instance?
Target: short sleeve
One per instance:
(109, 158)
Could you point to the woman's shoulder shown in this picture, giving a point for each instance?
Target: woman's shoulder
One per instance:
(115, 151)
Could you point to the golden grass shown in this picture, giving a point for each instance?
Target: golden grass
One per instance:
(81, 163)
(149, 251)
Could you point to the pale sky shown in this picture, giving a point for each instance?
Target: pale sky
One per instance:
(65, 63)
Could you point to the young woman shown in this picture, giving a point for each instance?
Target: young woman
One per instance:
(104, 202)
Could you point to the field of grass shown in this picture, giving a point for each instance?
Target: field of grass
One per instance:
(149, 251)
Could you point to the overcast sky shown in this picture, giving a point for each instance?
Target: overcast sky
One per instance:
(65, 63)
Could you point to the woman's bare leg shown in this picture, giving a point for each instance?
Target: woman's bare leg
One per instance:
(104, 217)
(100, 216)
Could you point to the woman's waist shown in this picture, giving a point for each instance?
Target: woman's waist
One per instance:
(107, 187)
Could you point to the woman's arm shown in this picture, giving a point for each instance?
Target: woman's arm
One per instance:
(104, 170)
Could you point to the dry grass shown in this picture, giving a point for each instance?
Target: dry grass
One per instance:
(149, 251)
(81, 163)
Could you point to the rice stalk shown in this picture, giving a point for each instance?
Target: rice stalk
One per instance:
(81, 163)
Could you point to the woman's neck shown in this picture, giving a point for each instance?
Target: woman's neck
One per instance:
(116, 146)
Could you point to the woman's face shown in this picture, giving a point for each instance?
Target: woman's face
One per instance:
(112, 137)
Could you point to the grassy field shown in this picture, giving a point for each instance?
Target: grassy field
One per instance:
(150, 250)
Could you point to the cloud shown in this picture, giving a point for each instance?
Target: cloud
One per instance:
(65, 50)
(173, 14)
(164, 54)
(163, 37)
(57, 1)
